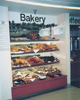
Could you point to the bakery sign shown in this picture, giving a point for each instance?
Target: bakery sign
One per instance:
(74, 20)
(31, 18)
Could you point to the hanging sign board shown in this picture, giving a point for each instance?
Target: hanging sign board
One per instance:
(31, 18)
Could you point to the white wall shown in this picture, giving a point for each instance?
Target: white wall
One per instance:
(5, 68)
(63, 44)
(3, 13)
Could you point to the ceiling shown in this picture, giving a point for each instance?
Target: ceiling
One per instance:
(27, 8)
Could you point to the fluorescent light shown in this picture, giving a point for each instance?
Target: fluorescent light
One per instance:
(43, 5)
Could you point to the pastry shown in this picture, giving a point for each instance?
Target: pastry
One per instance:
(47, 59)
(45, 37)
(34, 76)
(27, 80)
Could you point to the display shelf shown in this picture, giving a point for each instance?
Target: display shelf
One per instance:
(30, 53)
(28, 42)
(36, 65)
(40, 85)
(37, 40)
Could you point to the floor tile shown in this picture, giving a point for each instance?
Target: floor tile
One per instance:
(72, 93)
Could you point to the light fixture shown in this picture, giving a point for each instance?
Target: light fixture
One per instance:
(43, 4)
(35, 10)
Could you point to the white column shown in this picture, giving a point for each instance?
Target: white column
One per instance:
(63, 20)
(68, 49)
(5, 66)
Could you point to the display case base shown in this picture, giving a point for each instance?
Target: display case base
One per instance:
(41, 85)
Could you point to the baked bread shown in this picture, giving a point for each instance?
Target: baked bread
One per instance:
(45, 37)
(27, 80)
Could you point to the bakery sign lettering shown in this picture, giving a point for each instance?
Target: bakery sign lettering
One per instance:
(31, 18)
(74, 20)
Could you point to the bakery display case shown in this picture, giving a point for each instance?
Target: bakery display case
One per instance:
(32, 69)
(34, 66)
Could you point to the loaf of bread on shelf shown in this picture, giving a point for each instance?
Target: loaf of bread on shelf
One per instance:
(53, 46)
(39, 60)
(35, 46)
(40, 69)
(28, 48)
(34, 76)
(14, 49)
(54, 71)
(34, 60)
(34, 70)
(27, 80)
(16, 61)
(45, 37)
(12, 63)
(43, 46)
(20, 49)
(23, 61)
(19, 61)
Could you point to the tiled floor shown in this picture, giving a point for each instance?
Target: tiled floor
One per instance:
(71, 93)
